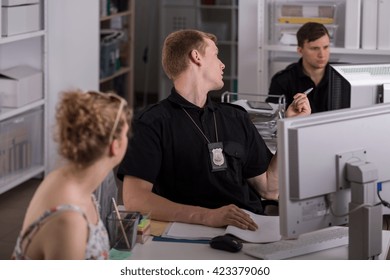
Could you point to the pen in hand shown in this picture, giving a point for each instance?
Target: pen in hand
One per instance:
(308, 91)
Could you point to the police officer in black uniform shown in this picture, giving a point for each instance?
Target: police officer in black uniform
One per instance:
(311, 71)
(194, 160)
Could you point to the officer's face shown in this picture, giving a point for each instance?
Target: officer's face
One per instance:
(316, 53)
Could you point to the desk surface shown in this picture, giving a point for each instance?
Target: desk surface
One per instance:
(160, 250)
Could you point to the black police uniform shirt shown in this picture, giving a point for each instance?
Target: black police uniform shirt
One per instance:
(292, 80)
(168, 150)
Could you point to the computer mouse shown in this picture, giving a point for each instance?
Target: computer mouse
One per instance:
(226, 243)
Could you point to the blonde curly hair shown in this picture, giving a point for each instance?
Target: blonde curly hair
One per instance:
(85, 121)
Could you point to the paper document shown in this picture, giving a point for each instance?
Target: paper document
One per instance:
(268, 230)
(192, 231)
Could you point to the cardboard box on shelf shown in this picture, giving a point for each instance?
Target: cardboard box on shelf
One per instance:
(20, 19)
(300, 13)
(20, 85)
(308, 10)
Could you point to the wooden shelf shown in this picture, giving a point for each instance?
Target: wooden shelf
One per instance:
(219, 7)
(125, 86)
(120, 14)
(120, 72)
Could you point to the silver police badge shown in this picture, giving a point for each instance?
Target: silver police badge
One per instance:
(218, 158)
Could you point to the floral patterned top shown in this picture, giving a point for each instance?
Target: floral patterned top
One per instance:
(97, 243)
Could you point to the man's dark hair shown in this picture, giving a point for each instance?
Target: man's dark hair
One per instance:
(311, 31)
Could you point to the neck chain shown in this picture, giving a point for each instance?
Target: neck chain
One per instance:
(200, 130)
(217, 157)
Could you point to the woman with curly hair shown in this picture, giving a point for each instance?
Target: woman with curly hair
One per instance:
(62, 220)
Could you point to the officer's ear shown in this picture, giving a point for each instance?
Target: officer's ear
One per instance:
(195, 56)
(299, 50)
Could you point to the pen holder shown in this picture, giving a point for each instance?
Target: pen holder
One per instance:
(122, 232)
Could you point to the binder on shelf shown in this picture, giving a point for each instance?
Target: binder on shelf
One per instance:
(383, 25)
(369, 24)
(352, 24)
(110, 51)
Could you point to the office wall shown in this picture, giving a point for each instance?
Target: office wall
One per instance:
(73, 54)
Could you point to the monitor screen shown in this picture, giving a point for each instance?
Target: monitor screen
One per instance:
(357, 85)
(313, 153)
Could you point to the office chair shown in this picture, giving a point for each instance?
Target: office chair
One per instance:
(271, 207)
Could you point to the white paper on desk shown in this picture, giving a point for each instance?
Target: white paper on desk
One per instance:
(268, 230)
(192, 232)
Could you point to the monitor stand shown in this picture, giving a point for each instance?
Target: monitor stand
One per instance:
(365, 212)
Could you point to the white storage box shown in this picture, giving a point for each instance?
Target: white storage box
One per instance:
(20, 85)
(21, 145)
(20, 19)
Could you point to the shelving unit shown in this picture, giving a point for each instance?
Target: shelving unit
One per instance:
(271, 57)
(23, 133)
(219, 17)
(120, 19)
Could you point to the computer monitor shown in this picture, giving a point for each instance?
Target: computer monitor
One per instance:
(318, 155)
(356, 85)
